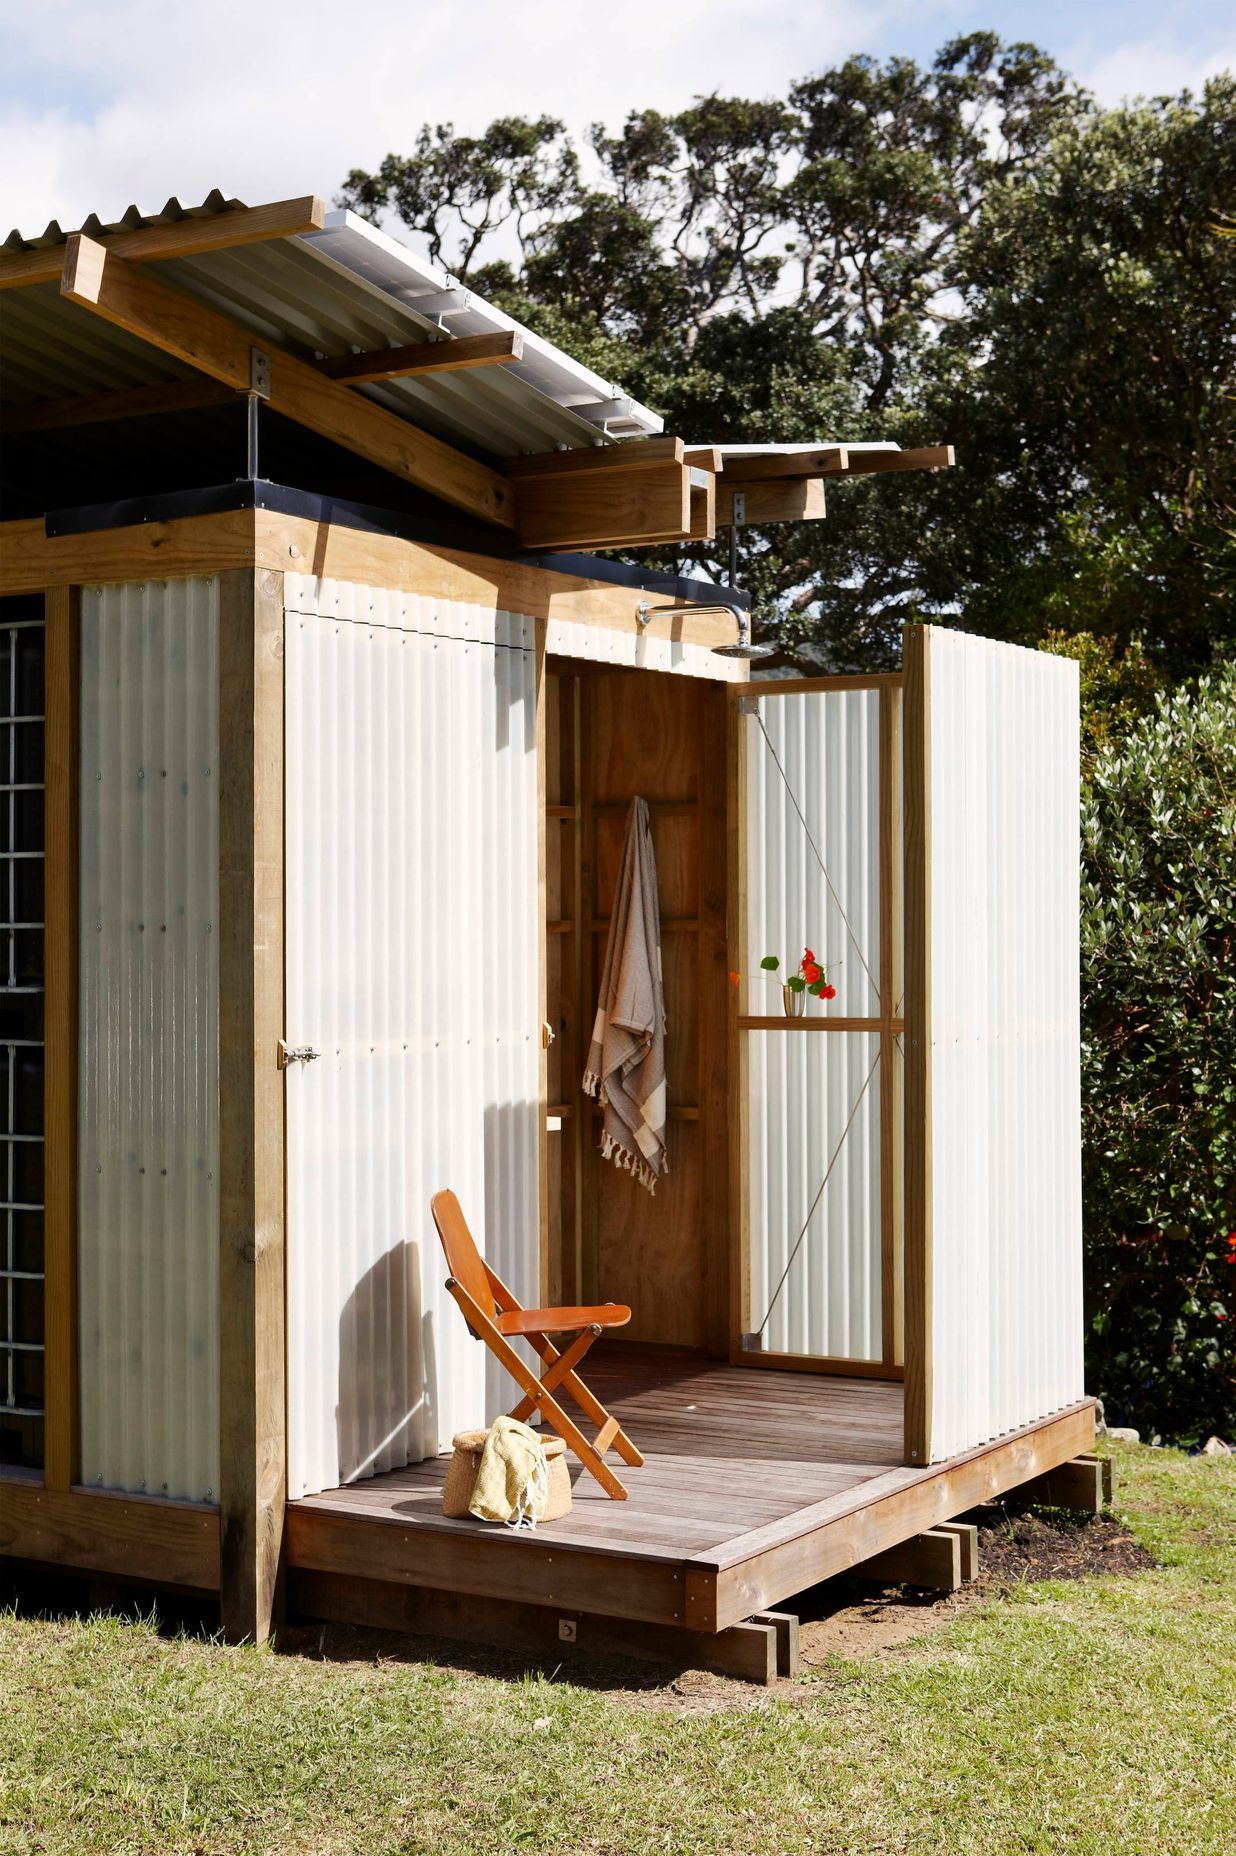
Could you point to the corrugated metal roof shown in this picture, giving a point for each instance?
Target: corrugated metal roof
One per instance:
(323, 295)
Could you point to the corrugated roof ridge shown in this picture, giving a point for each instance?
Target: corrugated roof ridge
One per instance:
(131, 220)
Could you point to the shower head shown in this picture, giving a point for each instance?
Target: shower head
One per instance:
(742, 647)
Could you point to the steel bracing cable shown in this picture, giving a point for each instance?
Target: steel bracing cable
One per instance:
(819, 1195)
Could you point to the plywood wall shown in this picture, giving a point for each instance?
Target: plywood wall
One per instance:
(614, 734)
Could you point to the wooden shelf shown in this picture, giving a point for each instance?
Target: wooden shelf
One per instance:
(562, 927)
(618, 808)
(679, 1112)
(560, 812)
(670, 924)
(820, 1024)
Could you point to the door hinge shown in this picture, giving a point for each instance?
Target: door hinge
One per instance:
(295, 1053)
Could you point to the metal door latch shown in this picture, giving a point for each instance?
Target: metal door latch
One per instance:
(296, 1053)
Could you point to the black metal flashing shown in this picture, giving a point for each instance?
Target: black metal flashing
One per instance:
(434, 530)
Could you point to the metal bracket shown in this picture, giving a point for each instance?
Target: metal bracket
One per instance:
(295, 1053)
(259, 373)
(739, 516)
(748, 705)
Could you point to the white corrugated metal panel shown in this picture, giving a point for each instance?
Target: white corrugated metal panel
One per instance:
(813, 824)
(1006, 1322)
(412, 915)
(813, 880)
(148, 1207)
(815, 1233)
(598, 644)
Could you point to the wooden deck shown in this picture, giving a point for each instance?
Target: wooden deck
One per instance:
(757, 1484)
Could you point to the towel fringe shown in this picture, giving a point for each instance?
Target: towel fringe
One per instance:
(627, 1162)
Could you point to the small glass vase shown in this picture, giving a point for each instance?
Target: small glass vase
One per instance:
(795, 1002)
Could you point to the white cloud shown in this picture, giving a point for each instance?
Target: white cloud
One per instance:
(126, 100)
(1153, 67)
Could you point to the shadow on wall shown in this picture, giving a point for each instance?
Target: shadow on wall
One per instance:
(386, 1411)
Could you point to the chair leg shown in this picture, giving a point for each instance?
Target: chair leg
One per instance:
(587, 1400)
(559, 1367)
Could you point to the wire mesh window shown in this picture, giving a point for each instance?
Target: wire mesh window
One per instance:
(21, 1030)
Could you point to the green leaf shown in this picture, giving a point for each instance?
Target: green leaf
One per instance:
(797, 984)
(770, 963)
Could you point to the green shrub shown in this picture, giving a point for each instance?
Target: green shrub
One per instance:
(1159, 1063)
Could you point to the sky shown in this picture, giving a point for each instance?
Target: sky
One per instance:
(108, 102)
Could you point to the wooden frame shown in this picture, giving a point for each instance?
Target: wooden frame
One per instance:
(60, 1057)
(889, 1025)
(252, 1338)
(32, 561)
(918, 1127)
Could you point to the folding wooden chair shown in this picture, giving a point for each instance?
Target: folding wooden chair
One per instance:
(492, 1313)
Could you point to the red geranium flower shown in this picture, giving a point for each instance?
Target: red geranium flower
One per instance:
(829, 992)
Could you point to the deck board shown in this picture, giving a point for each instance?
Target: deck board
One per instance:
(727, 1449)
(756, 1482)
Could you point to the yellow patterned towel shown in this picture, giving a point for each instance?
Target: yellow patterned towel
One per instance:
(512, 1483)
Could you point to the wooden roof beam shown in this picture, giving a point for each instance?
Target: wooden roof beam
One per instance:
(633, 495)
(791, 499)
(920, 457)
(826, 461)
(438, 357)
(124, 403)
(185, 238)
(178, 324)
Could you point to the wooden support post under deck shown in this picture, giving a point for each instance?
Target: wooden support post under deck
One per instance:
(932, 1559)
(967, 1534)
(252, 1425)
(1084, 1483)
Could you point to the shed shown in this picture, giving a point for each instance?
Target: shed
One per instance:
(322, 710)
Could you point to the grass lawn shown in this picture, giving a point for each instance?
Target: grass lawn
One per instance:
(1091, 1716)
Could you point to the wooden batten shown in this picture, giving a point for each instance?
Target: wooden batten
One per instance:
(824, 460)
(438, 357)
(184, 238)
(920, 457)
(60, 1431)
(252, 1348)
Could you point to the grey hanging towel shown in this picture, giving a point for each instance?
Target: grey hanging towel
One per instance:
(626, 1061)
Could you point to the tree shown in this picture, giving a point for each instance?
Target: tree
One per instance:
(1159, 1064)
(971, 253)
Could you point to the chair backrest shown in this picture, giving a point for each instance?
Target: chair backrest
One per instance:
(463, 1259)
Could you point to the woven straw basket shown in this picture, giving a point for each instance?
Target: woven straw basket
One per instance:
(462, 1471)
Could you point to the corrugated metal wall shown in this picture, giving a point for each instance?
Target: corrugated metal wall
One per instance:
(1006, 1321)
(412, 959)
(148, 1208)
(813, 807)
